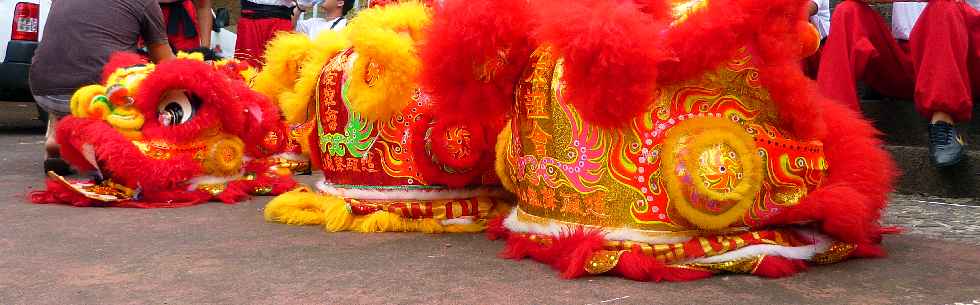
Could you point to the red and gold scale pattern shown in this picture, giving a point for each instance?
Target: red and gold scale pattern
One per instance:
(566, 170)
(374, 154)
(474, 208)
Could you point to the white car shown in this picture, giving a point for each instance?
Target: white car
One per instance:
(21, 24)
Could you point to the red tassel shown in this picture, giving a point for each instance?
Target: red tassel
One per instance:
(778, 266)
(639, 267)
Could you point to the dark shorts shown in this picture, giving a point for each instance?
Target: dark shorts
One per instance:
(57, 105)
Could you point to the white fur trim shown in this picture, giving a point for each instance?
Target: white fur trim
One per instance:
(290, 156)
(820, 244)
(554, 228)
(415, 195)
(465, 220)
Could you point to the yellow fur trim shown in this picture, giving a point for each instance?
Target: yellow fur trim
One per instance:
(295, 102)
(298, 208)
(194, 56)
(283, 55)
(385, 73)
(500, 163)
(308, 208)
(81, 99)
(701, 134)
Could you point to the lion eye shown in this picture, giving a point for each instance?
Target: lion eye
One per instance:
(176, 107)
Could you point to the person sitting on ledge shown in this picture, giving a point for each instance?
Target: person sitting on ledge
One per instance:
(930, 54)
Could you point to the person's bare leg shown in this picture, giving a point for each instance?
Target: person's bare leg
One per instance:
(941, 117)
(50, 143)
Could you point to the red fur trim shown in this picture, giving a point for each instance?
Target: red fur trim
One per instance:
(262, 117)
(611, 51)
(119, 60)
(567, 253)
(639, 267)
(860, 176)
(168, 199)
(56, 192)
(495, 228)
(868, 251)
(233, 69)
(778, 266)
(220, 101)
(235, 191)
(119, 158)
(463, 37)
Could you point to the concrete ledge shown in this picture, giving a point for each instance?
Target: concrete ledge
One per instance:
(901, 125)
(919, 177)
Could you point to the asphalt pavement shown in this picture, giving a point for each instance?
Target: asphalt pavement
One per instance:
(226, 254)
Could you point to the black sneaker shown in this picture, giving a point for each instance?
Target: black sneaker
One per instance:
(945, 145)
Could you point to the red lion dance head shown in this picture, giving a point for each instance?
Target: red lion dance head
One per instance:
(174, 134)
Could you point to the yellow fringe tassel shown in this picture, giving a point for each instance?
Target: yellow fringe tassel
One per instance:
(387, 67)
(308, 208)
(282, 58)
(295, 102)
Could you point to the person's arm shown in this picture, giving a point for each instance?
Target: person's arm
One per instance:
(153, 31)
(204, 21)
(160, 52)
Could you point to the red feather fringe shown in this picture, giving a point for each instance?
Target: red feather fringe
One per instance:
(611, 50)
(120, 60)
(464, 36)
(860, 176)
(220, 100)
(778, 266)
(638, 267)
(122, 160)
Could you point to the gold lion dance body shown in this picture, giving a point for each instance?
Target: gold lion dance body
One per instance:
(388, 162)
(661, 140)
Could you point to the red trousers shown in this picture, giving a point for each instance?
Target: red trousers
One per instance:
(940, 69)
(253, 34)
(179, 41)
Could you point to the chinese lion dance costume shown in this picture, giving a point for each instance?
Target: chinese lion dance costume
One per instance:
(660, 140)
(174, 134)
(389, 162)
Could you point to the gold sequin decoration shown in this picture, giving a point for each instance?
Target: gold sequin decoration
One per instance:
(213, 189)
(602, 261)
(744, 266)
(262, 191)
(837, 251)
